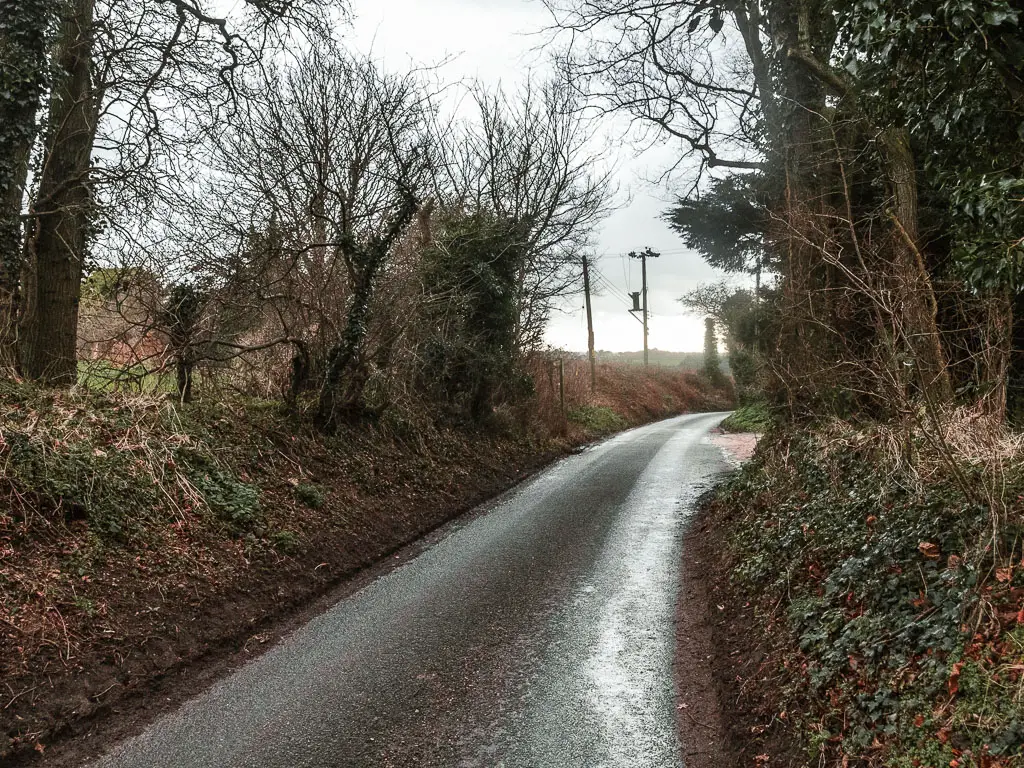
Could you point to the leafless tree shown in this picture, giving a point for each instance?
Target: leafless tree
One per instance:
(326, 163)
(530, 160)
(695, 73)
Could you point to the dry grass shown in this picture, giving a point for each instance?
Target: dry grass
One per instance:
(635, 394)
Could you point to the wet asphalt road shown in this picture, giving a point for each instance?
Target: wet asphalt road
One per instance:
(538, 634)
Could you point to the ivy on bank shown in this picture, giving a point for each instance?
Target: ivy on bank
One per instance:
(908, 649)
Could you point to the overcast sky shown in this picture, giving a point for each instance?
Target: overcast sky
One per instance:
(495, 41)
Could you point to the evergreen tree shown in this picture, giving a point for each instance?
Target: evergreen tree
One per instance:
(712, 363)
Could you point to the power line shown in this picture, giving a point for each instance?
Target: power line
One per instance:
(611, 287)
(614, 290)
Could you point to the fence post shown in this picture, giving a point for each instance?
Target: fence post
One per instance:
(561, 384)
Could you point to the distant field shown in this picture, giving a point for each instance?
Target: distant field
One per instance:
(692, 361)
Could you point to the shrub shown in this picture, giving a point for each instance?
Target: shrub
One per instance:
(311, 495)
(286, 542)
(598, 419)
(233, 501)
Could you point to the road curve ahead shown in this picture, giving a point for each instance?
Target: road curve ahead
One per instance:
(539, 634)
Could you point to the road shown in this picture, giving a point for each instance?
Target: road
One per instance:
(537, 634)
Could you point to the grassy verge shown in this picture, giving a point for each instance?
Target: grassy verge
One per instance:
(138, 535)
(888, 582)
(752, 417)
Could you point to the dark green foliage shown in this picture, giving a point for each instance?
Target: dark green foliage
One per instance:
(180, 318)
(310, 494)
(953, 73)
(727, 224)
(752, 417)
(105, 487)
(470, 279)
(235, 502)
(181, 312)
(23, 29)
(286, 542)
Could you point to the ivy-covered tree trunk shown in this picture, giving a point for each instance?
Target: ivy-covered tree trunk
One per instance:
(345, 379)
(334, 403)
(23, 25)
(62, 212)
(712, 362)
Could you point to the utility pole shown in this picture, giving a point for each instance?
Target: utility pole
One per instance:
(644, 255)
(590, 325)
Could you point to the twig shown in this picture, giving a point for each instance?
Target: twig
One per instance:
(19, 695)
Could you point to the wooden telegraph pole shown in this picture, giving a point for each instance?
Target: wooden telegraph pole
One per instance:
(590, 326)
(644, 255)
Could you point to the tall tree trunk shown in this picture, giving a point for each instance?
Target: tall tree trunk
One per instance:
(23, 26)
(917, 308)
(1015, 367)
(62, 212)
(800, 145)
(747, 16)
(996, 354)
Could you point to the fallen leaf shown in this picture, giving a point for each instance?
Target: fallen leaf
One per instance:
(1004, 575)
(929, 550)
(954, 678)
